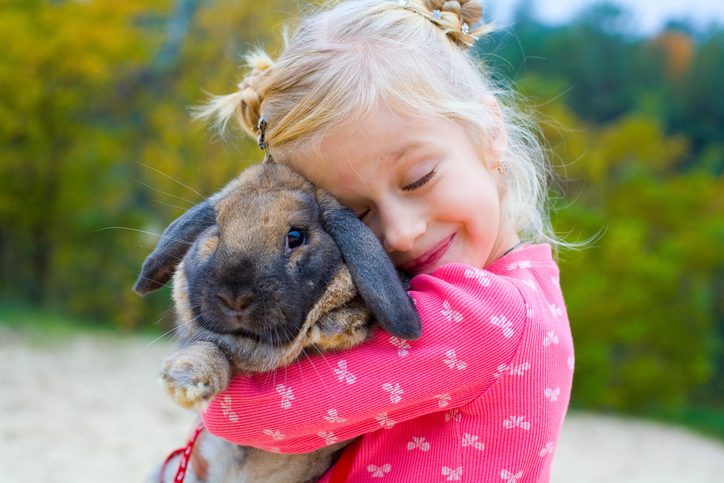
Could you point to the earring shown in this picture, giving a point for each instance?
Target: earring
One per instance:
(502, 169)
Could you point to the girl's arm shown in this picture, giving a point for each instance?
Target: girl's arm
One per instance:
(472, 323)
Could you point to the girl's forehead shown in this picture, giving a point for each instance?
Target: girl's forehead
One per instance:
(377, 138)
(384, 144)
(382, 133)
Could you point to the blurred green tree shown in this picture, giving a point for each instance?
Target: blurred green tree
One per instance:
(643, 301)
(94, 96)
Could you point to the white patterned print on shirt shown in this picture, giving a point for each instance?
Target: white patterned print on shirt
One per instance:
(528, 311)
(343, 374)
(531, 284)
(418, 443)
(552, 394)
(449, 313)
(226, 409)
(478, 275)
(286, 394)
(472, 440)
(516, 422)
(510, 477)
(504, 324)
(524, 264)
(548, 449)
(520, 369)
(550, 338)
(512, 369)
(332, 417)
(502, 368)
(556, 311)
(329, 438)
(401, 344)
(394, 391)
(443, 400)
(275, 435)
(379, 471)
(453, 362)
(453, 474)
(385, 421)
(453, 415)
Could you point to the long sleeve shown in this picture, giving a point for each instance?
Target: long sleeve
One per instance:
(473, 322)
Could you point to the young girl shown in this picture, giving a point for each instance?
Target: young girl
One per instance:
(377, 102)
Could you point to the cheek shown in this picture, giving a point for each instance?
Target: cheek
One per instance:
(476, 205)
(473, 200)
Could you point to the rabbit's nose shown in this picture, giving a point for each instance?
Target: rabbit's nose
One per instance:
(238, 302)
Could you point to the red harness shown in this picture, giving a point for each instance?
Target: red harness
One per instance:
(339, 474)
(185, 454)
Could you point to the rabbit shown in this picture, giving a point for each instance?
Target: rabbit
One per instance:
(264, 271)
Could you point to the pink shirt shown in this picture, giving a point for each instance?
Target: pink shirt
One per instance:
(480, 397)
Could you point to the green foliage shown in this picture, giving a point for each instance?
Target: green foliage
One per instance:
(636, 126)
(606, 71)
(96, 139)
(643, 300)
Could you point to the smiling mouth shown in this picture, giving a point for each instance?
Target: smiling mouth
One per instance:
(428, 259)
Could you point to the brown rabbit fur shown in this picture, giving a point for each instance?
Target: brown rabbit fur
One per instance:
(264, 271)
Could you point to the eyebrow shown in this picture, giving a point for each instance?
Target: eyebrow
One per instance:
(396, 154)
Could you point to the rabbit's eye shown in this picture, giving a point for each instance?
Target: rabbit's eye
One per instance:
(295, 238)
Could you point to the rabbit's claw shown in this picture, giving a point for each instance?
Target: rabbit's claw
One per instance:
(194, 374)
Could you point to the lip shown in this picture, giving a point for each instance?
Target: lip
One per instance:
(429, 258)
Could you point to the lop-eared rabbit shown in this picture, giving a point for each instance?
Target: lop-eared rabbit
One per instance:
(268, 269)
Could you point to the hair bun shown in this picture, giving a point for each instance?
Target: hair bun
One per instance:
(468, 11)
(455, 17)
(471, 11)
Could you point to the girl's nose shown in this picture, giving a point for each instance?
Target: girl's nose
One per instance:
(401, 226)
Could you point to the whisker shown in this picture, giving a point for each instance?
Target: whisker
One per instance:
(324, 358)
(168, 332)
(329, 366)
(170, 205)
(167, 194)
(159, 235)
(172, 179)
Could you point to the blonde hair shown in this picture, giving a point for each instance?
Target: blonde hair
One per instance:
(341, 63)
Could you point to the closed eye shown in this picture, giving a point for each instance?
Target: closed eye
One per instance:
(420, 182)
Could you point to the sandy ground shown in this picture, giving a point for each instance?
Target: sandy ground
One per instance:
(88, 409)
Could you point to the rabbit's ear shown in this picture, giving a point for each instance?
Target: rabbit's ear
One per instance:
(172, 247)
(371, 269)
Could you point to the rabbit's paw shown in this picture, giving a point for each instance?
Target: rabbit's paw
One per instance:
(194, 374)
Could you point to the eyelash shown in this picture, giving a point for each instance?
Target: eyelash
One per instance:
(410, 187)
(420, 182)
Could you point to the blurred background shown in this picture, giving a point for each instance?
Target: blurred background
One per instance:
(98, 154)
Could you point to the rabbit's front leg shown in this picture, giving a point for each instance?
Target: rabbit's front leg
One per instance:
(195, 373)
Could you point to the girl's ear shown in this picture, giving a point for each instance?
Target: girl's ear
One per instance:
(499, 138)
